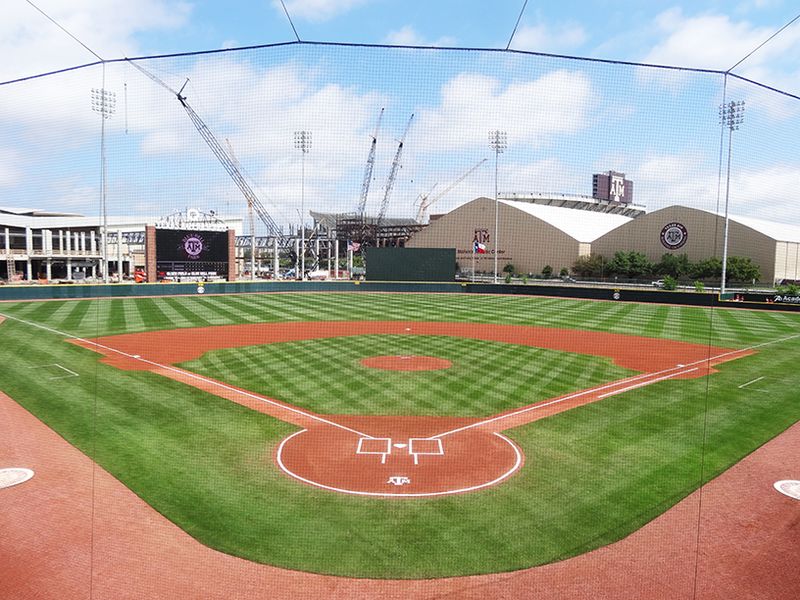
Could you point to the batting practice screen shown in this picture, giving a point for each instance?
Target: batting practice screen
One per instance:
(184, 252)
(411, 264)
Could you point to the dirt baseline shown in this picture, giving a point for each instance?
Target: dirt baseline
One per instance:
(410, 456)
(179, 345)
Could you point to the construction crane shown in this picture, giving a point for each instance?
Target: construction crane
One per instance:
(251, 217)
(392, 175)
(362, 202)
(426, 200)
(224, 157)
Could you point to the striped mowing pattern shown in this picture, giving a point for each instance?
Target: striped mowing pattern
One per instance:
(701, 325)
(326, 376)
(592, 475)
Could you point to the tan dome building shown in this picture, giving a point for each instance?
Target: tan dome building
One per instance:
(699, 234)
(530, 236)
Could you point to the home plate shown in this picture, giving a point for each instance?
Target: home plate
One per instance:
(789, 487)
(399, 445)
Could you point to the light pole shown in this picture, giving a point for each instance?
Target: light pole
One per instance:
(731, 115)
(302, 141)
(498, 141)
(105, 103)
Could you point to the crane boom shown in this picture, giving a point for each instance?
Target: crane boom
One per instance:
(362, 202)
(251, 217)
(427, 200)
(227, 162)
(393, 174)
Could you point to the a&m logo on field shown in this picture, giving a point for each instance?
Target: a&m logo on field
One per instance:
(399, 480)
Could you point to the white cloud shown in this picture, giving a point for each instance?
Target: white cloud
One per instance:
(10, 172)
(767, 193)
(259, 111)
(318, 10)
(408, 36)
(713, 41)
(31, 44)
(532, 111)
(555, 38)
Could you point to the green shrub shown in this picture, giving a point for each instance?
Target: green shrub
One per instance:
(699, 287)
(670, 283)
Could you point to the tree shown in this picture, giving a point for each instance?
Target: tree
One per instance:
(742, 268)
(564, 272)
(676, 265)
(670, 283)
(593, 265)
(510, 269)
(547, 272)
(710, 268)
(632, 265)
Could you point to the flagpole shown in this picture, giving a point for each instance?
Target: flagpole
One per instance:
(473, 261)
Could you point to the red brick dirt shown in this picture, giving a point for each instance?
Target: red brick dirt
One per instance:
(178, 345)
(336, 452)
(406, 363)
(74, 532)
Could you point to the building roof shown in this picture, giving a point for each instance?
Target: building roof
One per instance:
(780, 232)
(583, 226)
(578, 202)
(34, 212)
(79, 222)
(332, 219)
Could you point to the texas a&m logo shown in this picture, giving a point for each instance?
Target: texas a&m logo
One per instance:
(399, 480)
(673, 236)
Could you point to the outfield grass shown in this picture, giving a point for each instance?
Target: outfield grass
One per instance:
(325, 376)
(592, 474)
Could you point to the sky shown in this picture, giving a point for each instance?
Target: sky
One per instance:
(565, 119)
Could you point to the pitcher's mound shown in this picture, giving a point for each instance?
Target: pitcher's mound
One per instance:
(406, 363)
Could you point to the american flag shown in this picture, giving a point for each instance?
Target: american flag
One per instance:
(353, 246)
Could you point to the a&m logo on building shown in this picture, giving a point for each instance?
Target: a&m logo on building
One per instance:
(673, 236)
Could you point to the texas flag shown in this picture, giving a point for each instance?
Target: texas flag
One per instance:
(478, 248)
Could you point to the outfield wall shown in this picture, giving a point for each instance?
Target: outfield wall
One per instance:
(65, 292)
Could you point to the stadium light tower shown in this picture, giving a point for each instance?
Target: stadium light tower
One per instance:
(731, 115)
(302, 141)
(498, 141)
(104, 103)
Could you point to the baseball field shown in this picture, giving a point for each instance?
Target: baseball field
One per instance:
(404, 436)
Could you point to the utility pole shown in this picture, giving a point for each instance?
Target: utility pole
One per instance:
(104, 103)
(498, 141)
(302, 141)
(731, 115)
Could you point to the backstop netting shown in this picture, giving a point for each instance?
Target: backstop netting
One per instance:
(539, 408)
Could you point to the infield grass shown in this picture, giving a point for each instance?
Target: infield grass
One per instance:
(592, 474)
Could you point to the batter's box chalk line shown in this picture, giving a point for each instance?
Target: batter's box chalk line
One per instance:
(416, 447)
(382, 446)
(61, 373)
